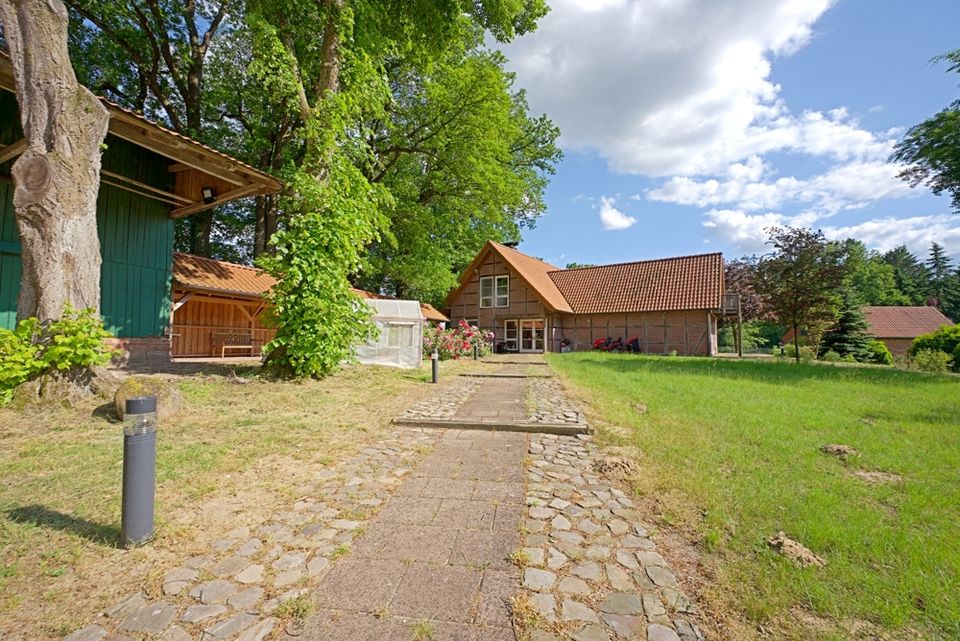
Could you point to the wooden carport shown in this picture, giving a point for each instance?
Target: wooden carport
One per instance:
(217, 304)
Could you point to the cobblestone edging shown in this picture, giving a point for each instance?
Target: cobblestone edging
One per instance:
(232, 591)
(446, 402)
(547, 403)
(592, 572)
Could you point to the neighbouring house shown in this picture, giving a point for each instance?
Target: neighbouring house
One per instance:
(150, 176)
(670, 304)
(898, 326)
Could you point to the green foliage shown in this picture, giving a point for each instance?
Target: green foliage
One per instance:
(945, 340)
(799, 280)
(879, 353)
(73, 342)
(831, 356)
(790, 352)
(464, 161)
(931, 360)
(872, 278)
(751, 332)
(931, 149)
(848, 337)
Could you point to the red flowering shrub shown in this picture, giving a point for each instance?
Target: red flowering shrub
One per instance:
(456, 342)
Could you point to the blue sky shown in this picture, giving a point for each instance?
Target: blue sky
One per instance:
(690, 125)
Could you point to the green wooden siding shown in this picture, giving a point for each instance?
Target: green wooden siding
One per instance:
(136, 239)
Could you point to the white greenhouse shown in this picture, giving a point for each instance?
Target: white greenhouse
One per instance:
(401, 334)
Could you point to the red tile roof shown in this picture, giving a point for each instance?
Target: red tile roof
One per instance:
(686, 282)
(207, 274)
(533, 270)
(903, 322)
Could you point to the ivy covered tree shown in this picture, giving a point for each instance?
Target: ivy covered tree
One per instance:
(338, 88)
(799, 281)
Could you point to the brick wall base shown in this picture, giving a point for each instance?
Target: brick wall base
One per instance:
(140, 351)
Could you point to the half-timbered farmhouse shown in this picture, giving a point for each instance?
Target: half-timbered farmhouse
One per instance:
(667, 305)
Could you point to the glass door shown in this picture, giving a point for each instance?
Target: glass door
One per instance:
(510, 335)
(531, 335)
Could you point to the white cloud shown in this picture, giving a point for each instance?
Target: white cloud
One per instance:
(680, 87)
(612, 218)
(849, 186)
(746, 231)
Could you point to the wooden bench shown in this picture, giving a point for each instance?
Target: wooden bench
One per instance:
(223, 341)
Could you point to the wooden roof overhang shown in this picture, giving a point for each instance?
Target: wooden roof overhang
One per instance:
(194, 166)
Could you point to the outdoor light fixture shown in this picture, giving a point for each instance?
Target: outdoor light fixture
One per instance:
(208, 195)
(139, 469)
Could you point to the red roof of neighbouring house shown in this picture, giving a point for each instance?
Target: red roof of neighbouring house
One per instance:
(686, 282)
(218, 276)
(903, 322)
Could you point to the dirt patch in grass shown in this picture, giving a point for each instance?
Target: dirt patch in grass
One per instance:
(795, 551)
(240, 449)
(842, 452)
(877, 477)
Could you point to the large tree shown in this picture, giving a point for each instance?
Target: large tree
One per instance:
(464, 163)
(800, 280)
(151, 56)
(848, 336)
(336, 86)
(57, 177)
(911, 276)
(931, 149)
(872, 279)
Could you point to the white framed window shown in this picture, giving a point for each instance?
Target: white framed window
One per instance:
(495, 291)
(510, 335)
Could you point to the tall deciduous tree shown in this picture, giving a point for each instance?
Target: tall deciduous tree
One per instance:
(151, 56)
(800, 280)
(872, 279)
(464, 163)
(931, 149)
(57, 177)
(336, 86)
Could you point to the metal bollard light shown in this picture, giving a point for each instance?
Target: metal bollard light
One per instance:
(139, 469)
(435, 365)
(476, 352)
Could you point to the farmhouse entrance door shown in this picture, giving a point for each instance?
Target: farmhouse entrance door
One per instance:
(531, 335)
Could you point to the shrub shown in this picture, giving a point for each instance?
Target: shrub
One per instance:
(877, 352)
(931, 360)
(830, 356)
(73, 343)
(789, 351)
(456, 342)
(946, 340)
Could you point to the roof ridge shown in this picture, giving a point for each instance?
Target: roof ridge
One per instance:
(636, 262)
(222, 262)
(514, 249)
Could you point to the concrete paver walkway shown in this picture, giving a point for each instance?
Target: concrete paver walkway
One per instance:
(497, 400)
(434, 562)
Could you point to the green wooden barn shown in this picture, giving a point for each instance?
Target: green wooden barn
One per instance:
(150, 176)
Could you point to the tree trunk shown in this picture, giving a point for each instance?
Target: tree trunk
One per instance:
(796, 343)
(57, 178)
(266, 224)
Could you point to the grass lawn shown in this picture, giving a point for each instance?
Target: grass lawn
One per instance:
(238, 449)
(730, 454)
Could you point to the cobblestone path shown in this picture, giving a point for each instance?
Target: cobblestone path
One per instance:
(435, 563)
(436, 535)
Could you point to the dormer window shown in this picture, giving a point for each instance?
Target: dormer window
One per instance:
(495, 291)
